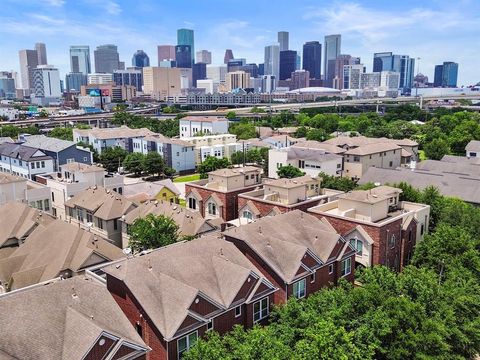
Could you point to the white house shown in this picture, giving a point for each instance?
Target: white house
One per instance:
(24, 161)
(206, 125)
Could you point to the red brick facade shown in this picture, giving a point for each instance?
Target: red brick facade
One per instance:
(229, 208)
(266, 207)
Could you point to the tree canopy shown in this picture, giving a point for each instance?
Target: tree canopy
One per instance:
(289, 172)
(112, 158)
(151, 232)
(212, 163)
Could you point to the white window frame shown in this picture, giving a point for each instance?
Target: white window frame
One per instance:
(260, 311)
(188, 342)
(344, 267)
(238, 311)
(298, 291)
(330, 269)
(250, 217)
(212, 206)
(354, 242)
(210, 325)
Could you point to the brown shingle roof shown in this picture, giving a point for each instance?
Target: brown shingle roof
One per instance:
(115, 133)
(168, 280)
(6, 178)
(372, 149)
(60, 320)
(228, 172)
(282, 240)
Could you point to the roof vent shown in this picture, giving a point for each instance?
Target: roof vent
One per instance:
(149, 264)
(260, 229)
(74, 294)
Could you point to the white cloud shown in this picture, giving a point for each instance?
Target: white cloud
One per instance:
(56, 3)
(112, 7)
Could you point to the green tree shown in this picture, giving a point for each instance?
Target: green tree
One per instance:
(289, 172)
(436, 149)
(317, 135)
(63, 133)
(237, 157)
(152, 232)
(301, 132)
(337, 183)
(231, 115)
(134, 163)
(244, 130)
(112, 158)
(212, 163)
(43, 114)
(153, 163)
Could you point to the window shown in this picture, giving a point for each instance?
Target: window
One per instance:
(46, 205)
(356, 159)
(392, 241)
(192, 203)
(53, 197)
(80, 215)
(43, 164)
(115, 224)
(260, 310)
(70, 212)
(357, 245)
(330, 269)
(247, 215)
(20, 162)
(238, 311)
(299, 289)
(301, 164)
(33, 165)
(32, 204)
(391, 163)
(422, 229)
(212, 208)
(120, 190)
(89, 216)
(210, 325)
(410, 235)
(346, 266)
(38, 164)
(185, 343)
(139, 329)
(339, 166)
(312, 277)
(100, 223)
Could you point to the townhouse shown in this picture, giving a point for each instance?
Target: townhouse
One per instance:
(99, 210)
(176, 294)
(164, 190)
(18, 189)
(177, 154)
(57, 249)
(280, 141)
(73, 178)
(62, 151)
(102, 139)
(202, 125)
(219, 146)
(297, 252)
(24, 161)
(382, 229)
(190, 223)
(217, 196)
(70, 319)
(277, 196)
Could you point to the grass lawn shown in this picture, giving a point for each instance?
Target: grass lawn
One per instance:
(186, 178)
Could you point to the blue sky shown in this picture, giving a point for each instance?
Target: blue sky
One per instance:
(434, 30)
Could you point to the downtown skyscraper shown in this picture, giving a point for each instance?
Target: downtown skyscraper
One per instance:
(403, 64)
(312, 59)
(140, 59)
(272, 61)
(28, 64)
(333, 44)
(80, 59)
(107, 59)
(186, 37)
(283, 40)
(41, 53)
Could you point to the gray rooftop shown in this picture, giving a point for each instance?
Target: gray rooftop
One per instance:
(460, 167)
(47, 143)
(22, 152)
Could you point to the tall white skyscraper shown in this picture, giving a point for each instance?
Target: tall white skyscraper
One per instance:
(283, 40)
(217, 73)
(80, 59)
(333, 44)
(46, 81)
(272, 60)
(41, 53)
(28, 63)
(204, 56)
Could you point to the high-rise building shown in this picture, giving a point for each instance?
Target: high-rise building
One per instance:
(252, 69)
(74, 81)
(228, 56)
(268, 84)
(390, 80)
(80, 59)
(7, 87)
(28, 64)
(140, 59)
(261, 69)
(99, 78)
(437, 77)
(237, 80)
(131, 76)
(183, 56)
(186, 37)
(161, 83)
(299, 62)
(46, 81)
(403, 64)
(107, 59)
(312, 59)
(168, 63)
(300, 79)
(199, 72)
(272, 60)
(449, 74)
(204, 56)
(288, 63)
(352, 76)
(283, 40)
(236, 65)
(41, 53)
(340, 62)
(216, 72)
(333, 44)
(370, 80)
(165, 52)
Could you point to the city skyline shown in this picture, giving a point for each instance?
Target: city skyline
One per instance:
(366, 27)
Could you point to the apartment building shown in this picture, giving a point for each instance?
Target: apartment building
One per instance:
(280, 141)
(203, 125)
(178, 154)
(383, 229)
(74, 178)
(99, 210)
(310, 156)
(18, 189)
(24, 161)
(217, 196)
(297, 252)
(102, 139)
(283, 195)
(59, 315)
(172, 299)
(219, 146)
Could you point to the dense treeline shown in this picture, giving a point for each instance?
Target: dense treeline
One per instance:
(167, 127)
(429, 311)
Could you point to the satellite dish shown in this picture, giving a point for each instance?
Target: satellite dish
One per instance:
(127, 251)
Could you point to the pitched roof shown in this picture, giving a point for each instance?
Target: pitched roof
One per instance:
(473, 145)
(168, 280)
(462, 159)
(327, 147)
(6, 178)
(372, 149)
(463, 187)
(228, 172)
(17, 220)
(104, 203)
(80, 167)
(4, 139)
(159, 138)
(53, 248)
(355, 141)
(22, 152)
(114, 133)
(283, 240)
(314, 154)
(150, 188)
(189, 222)
(48, 143)
(460, 167)
(61, 320)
